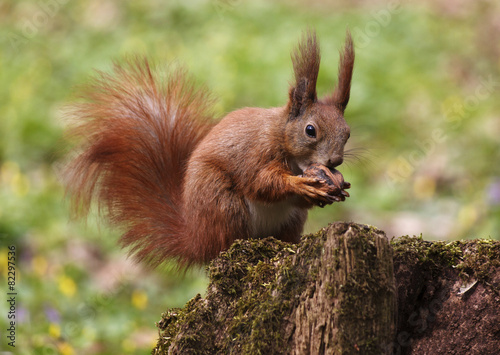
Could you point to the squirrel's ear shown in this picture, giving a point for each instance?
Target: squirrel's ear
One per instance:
(340, 96)
(305, 60)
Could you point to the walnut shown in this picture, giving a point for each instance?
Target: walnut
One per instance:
(333, 179)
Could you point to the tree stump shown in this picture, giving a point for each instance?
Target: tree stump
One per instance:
(343, 290)
(349, 305)
(448, 297)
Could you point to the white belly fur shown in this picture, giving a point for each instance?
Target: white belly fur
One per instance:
(267, 219)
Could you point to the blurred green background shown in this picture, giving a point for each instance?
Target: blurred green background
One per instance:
(424, 115)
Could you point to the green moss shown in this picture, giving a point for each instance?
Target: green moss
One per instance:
(271, 286)
(235, 264)
(172, 321)
(438, 253)
(472, 258)
(479, 259)
(243, 285)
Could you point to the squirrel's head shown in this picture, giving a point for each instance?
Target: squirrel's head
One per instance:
(316, 131)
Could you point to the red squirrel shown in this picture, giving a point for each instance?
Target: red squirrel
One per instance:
(183, 186)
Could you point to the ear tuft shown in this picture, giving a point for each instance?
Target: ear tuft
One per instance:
(305, 60)
(340, 96)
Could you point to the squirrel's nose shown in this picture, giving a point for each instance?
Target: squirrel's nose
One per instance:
(335, 161)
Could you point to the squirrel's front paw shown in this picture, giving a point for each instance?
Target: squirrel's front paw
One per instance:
(316, 191)
(333, 181)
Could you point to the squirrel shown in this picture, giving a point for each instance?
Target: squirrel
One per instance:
(183, 186)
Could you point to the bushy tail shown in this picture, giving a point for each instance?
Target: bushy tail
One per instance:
(135, 137)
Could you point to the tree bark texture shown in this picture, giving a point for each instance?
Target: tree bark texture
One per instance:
(349, 305)
(448, 296)
(343, 290)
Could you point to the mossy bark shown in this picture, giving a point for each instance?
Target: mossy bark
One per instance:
(336, 293)
(448, 297)
(332, 293)
(349, 305)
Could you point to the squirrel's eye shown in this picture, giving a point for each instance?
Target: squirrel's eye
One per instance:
(311, 131)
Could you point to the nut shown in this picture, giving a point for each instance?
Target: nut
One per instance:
(332, 178)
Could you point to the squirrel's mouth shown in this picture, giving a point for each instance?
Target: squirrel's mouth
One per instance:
(298, 168)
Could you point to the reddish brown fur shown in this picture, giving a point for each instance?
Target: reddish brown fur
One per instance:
(340, 96)
(183, 188)
(305, 60)
(133, 156)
